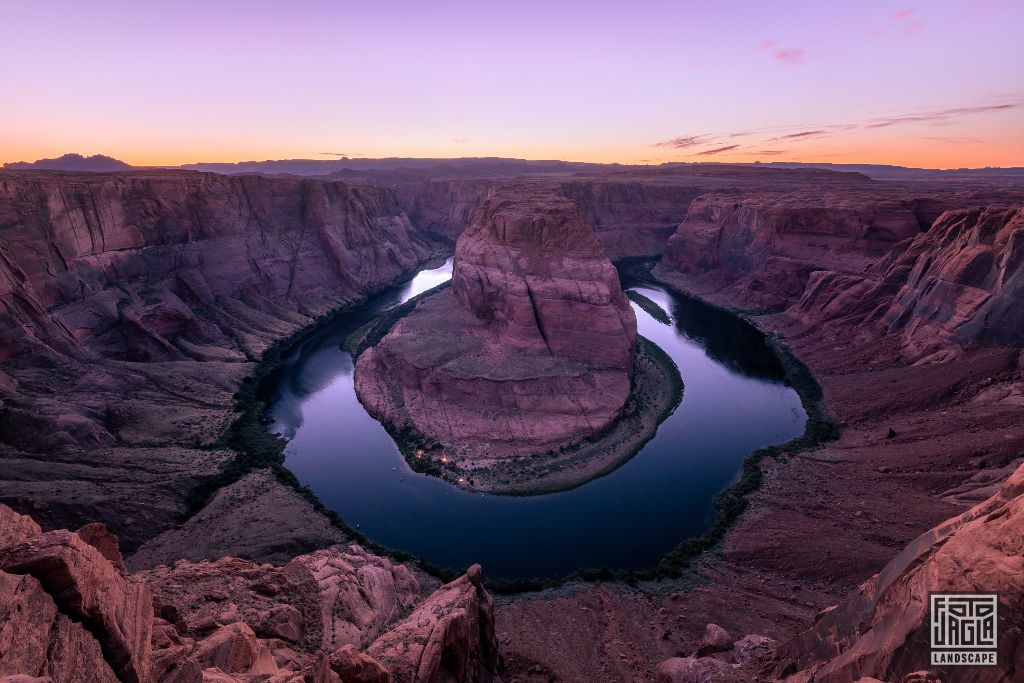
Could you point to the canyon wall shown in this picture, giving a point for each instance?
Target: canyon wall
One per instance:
(133, 305)
(765, 245)
(123, 263)
(764, 249)
(956, 284)
(631, 217)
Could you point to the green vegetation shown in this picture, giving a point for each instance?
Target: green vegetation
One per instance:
(651, 307)
(417, 449)
(257, 448)
(732, 501)
(370, 334)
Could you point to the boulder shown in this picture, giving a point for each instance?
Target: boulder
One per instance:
(96, 535)
(283, 621)
(715, 639)
(353, 666)
(697, 670)
(15, 528)
(87, 587)
(449, 636)
(234, 649)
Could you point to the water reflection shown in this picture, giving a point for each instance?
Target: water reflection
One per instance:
(733, 403)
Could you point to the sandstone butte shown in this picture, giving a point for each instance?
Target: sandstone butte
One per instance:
(134, 304)
(530, 349)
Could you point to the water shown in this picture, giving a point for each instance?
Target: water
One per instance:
(734, 402)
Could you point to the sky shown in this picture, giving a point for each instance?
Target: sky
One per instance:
(936, 84)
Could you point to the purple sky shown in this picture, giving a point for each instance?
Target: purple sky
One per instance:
(920, 83)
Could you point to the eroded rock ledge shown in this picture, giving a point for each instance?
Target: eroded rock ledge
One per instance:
(69, 612)
(529, 351)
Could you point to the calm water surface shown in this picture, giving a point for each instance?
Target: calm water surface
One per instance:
(734, 402)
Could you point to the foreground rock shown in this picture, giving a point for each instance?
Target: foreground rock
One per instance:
(529, 351)
(68, 613)
(882, 630)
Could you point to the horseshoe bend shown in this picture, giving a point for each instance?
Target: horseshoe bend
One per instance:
(716, 404)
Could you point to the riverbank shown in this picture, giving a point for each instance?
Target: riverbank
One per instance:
(655, 391)
(918, 444)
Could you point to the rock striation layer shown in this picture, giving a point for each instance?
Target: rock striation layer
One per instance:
(131, 307)
(955, 284)
(530, 349)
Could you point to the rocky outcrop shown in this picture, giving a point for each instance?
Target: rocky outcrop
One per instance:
(68, 611)
(531, 348)
(965, 279)
(360, 594)
(630, 217)
(882, 630)
(955, 284)
(719, 659)
(89, 589)
(68, 614)
(633, 218)
(449, 637)
(131, 307)
(762, 247)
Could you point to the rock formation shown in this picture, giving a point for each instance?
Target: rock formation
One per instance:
(132, 306)
(957, 283)
(882, 630)
(531, 348)
(68, 613)
(768, 243)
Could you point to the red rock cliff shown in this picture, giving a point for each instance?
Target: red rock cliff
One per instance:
(530, 350)
(131, 307)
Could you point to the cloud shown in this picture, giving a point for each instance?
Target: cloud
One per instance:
(908, 26)
(684, 141)
(802, 135)
(913, 27)
(789, 56)
(770, 137)
(336, 154)
(937, 116)
(717, 150)
(460, 141)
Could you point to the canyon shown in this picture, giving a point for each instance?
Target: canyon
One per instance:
(137, 306)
